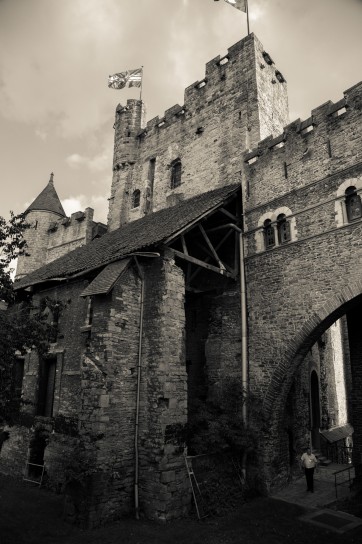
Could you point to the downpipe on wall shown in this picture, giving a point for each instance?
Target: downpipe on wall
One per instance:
(139, 368)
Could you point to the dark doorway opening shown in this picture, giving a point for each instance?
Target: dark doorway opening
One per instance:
(46, 387)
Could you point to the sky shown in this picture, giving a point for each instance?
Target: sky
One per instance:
(57, 112)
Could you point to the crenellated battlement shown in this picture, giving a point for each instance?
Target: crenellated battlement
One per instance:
(214, 83)
(68, 233)
(241, 98)
(322, 118)
(326, 140)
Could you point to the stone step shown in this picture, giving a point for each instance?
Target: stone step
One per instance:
(322, 460)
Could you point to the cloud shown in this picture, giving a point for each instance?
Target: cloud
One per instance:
(42, 134)
(100, 162)
(56, 77)
(75, 160)
(77, 203)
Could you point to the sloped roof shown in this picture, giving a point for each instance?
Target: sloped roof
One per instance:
(338, 433)
(134, 236)
(104, 282)
(47, 200)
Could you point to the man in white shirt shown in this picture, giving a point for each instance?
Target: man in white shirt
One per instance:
(309, 462)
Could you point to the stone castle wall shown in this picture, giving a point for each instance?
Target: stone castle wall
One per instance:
(239, 101)
(51, 236)
(311, 280)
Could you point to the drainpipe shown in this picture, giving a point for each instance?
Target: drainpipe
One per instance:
(244, 344)
(136, 467)
(136, 433)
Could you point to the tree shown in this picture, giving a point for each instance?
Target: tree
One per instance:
(12, 244)
(21, 326)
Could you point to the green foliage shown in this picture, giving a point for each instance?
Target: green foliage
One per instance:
(20, 331)
(217, 425)
(22, 327)
(12, 244)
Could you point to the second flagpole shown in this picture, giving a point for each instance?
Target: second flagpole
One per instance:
(247, 16)
(141, 83)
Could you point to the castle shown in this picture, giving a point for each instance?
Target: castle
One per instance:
(233, 251)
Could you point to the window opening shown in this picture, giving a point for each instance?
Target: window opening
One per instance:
(151, 170)
(268, 58)
(136, 198)
(353, 204)
(283, 227)
(307, 129)
(329, 148)
(176, 174)
(46, 387)
(252, 160)
(269, 234)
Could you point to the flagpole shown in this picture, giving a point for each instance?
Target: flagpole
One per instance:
(141, 83)
(247, 16)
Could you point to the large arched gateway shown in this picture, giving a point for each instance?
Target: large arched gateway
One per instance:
(304, 291)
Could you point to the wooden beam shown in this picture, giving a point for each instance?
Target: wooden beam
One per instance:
(205, 215)
(230, 231)
(183, 242)
(192, 260)
(211, 247)
(228, 214)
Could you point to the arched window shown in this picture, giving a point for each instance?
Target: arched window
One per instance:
(283, 228)
(136, 198)
(176, 174)
(353, 204)
(269, 235)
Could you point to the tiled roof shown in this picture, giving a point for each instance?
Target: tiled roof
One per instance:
(338, 433)
(134, 236)
(47, 200)
(104, 282)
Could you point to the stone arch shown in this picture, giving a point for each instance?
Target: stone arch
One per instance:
(302, 342)
(259, 234)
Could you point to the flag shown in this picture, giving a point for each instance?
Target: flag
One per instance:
(130, 78)
(238, 4)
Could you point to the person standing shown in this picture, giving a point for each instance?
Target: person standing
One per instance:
(309, 462)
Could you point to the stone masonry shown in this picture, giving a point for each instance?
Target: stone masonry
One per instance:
(129, 317)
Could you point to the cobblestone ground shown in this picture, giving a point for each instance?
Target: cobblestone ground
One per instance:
(30, 515)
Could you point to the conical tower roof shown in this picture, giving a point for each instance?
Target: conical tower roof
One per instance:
(47, 200)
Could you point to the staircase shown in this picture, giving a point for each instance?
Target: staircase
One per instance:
(322, 460)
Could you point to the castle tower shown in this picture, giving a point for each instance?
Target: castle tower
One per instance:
(44, 210)
(241, 100)
(128, 123)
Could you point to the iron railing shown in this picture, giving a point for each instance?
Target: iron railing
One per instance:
(346, 477)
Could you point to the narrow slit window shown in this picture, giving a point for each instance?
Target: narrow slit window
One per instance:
(151, 170)
(136, 198)
(176, 174)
